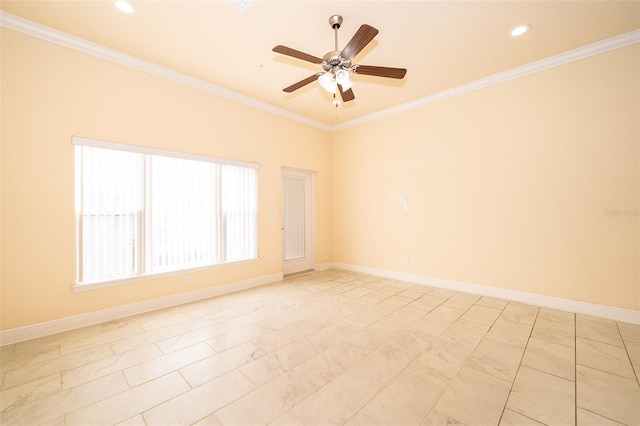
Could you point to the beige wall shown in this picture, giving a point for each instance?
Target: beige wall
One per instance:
(50, 93)
(509, 186)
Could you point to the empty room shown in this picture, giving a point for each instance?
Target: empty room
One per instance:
(265, 212)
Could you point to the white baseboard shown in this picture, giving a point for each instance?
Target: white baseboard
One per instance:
(21, 334)
(609, 312)
(322, 266)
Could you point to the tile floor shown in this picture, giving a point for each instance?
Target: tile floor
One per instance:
(331, 348)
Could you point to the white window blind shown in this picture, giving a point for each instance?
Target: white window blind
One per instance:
(154, 211)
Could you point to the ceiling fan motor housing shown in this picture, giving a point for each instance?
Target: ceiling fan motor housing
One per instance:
(333, 59)
(335, 21)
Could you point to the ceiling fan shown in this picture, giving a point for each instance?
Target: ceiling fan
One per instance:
(337, 64)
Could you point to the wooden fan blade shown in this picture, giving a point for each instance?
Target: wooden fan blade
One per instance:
(380, 71)
(301, 83)
(346, 95)
(297, 54)
(360, 39)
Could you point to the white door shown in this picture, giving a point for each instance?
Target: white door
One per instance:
(297, 221)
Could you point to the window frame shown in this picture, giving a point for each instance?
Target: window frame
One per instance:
(146, 275)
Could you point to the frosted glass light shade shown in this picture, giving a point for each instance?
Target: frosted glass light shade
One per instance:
(328, 82)
(342, 78)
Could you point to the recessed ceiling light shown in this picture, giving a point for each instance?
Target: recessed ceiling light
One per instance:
(518, 31)
(124, 6)
(241, 5)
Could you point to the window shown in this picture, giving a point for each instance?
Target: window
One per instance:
(141, 211)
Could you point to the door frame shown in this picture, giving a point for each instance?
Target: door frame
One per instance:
(311, 223)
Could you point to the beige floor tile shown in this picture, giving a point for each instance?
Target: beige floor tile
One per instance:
(437, 418)
(352, 389)
(406, 400)
(633, 349)
(415, 292)
(133, 421)
(426, 303)
(29, 392)
(354, 293)
(298, 330)
(25, 358)
(509, 332)
(191, 338)
(519, 312)
(349, 351)
(55, 422)
(210, 420)
(199, 402)
(364, 318)
(148, 338)
(108, 332)
(594, 318)
(482, 314)
(363, 419)
(393, 303)
(180, 315)
(497, 359)
(436, 322)
(543, 397)
(443, 293)
(551, 358)
(462, 300)
(290, 356)
(442, 360)
(631, 331)
(52, 407)
(608, 395)
(51, 366)
(511, 418)
(492, 302)
(217, 365)
(6, 352)
(588, 418)
(234, 338)
(159, 366)
(554, 332)
(598, 330)
(602, 356)
(127, 404)
(374, 284)
(557, 315)
(215, 316)
(53, 342)
(327, 348)
(386, 292)
(106, 366)
(258, 315)
(272, 399)
(474, 398)
(331, 335)
(466, 333)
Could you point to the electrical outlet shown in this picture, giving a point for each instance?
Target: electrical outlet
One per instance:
(186, 280)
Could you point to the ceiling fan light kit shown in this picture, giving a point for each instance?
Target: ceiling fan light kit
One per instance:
(337, 63)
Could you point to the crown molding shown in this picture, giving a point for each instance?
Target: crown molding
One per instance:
(51, 35)
(583, 52)
(42, 32)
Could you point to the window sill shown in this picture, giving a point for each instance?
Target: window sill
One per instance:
(95, 285)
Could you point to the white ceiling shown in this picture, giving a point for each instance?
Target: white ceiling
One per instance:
(443, 44)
